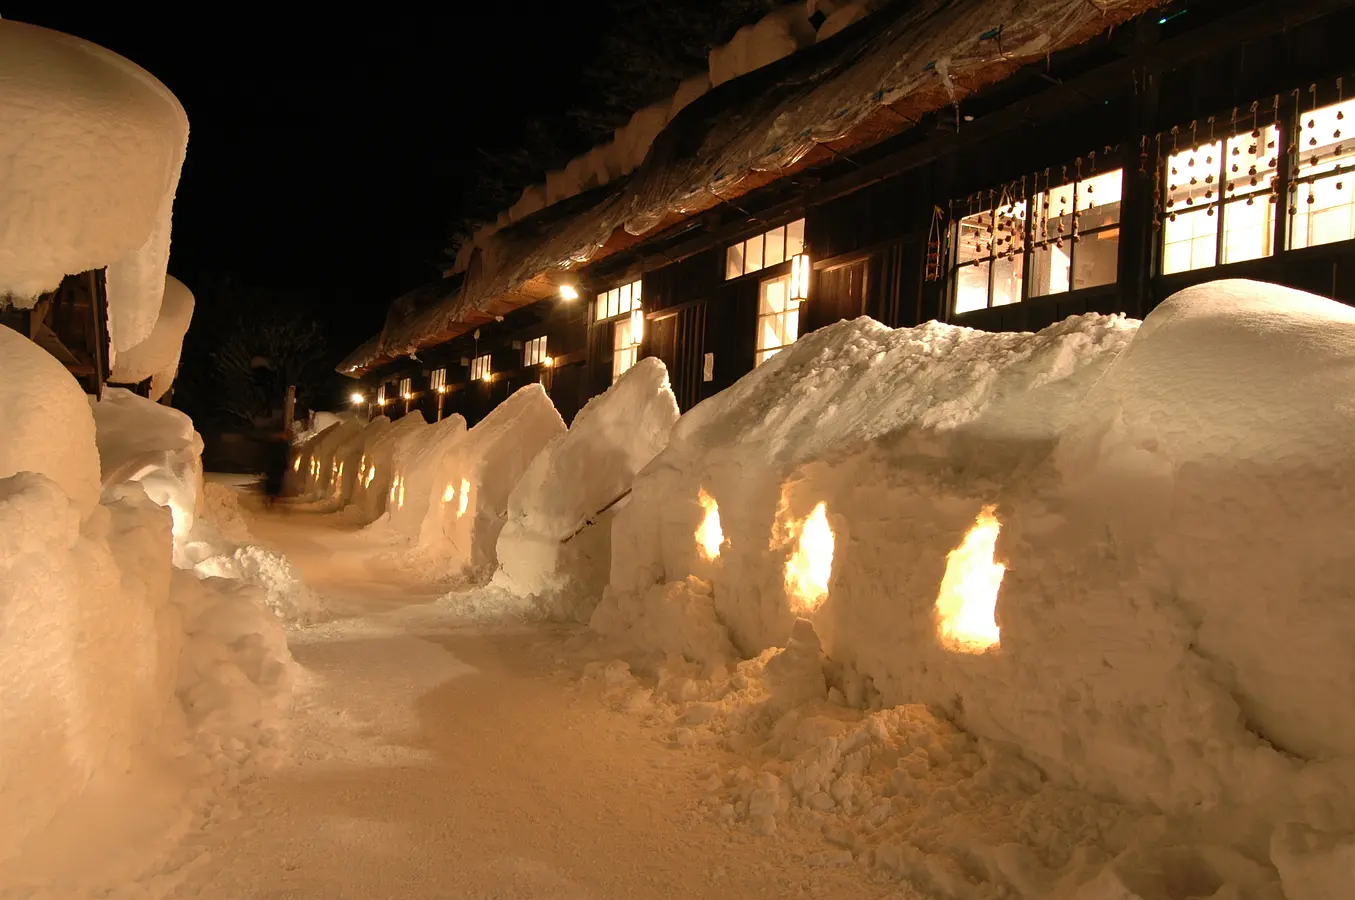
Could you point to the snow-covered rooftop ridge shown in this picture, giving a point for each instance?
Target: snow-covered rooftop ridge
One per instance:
(90, 157)
(768, 121)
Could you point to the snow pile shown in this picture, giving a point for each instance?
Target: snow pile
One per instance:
(417, 485)
(89, 160)
(317, 462)
(555, 546)
(142, 441)
(838, 15)
(282, 590)
(46, 421)
(776, 35)
(1170, 629)
(220, 506)
(470, 488)
(157, 357)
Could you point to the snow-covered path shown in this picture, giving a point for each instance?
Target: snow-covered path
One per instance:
(437, 758)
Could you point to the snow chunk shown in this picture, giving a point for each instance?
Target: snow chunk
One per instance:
(555, 545)
(47, 424)
(89, 159)
(776, 35)
(157, 357)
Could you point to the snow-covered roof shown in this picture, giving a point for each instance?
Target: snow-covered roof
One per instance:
(90, 155)
(872, 79)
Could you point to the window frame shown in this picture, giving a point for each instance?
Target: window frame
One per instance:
(760, 353)
(626, 355)
(628, 297)
(1339, 167)
(437, 380)
(406, 388)
(780, 236)
(534, 352)
(480, 366)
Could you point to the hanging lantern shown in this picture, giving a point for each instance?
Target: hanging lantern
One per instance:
(799, 277)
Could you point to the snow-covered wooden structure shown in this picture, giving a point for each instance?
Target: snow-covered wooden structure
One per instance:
(997, 165)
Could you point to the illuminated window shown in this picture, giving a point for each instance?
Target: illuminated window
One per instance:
(764, 250)
(534, 351)
(1217, 206)
(406, 388)
(778, 318)
(626, 337)
(381, 395)
(1022, 241)
(479, 368)
(437, 380)
(1324, 206)
(617, 302)
(1074, 237)
(990, 254)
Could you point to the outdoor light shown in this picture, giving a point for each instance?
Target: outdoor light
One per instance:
(637, 325)
(548, 361)
(442, 389)
(356, 398)
(406, 395)
(799, 277)
(487, 376)
(568, 292)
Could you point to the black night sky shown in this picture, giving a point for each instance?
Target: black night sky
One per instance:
(327, 157)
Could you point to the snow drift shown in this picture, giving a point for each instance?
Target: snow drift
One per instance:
(1170, 625)
(417, 487)
(556, 543)
(89, 162)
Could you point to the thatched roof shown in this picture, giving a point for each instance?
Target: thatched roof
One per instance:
(869, 82)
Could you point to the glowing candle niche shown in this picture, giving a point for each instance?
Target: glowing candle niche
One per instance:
(709, 535)
(448, 493)
(464, 499)
(966, 607)
(811, 565)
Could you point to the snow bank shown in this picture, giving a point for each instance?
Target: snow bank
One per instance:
(47, 424)
(155, 446)
(556, 542)
(88, 644)
(157, 357)
(321, 470)
(417, 486)
(1170, 627)
(89, 159)
(373, 491)
(469, 497)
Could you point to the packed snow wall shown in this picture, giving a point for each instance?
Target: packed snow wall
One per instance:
(416, 487)
(555, 546)
(376, 488)
(1169, 504)
(89, 163)
(157, 357)
(469, 497)
(321, 469)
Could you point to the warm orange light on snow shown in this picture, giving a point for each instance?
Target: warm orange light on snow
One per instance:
(709, 536)
(296, 464)
(371, 475)
(967, 604)
(448, 493)
(464, 500)
(811, 565)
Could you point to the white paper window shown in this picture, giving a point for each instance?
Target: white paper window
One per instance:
(479, 368)
(626, 336)
(437, 380)
(1324, 206)
(778, 318)
(768, 249)
(381, 395)
(1074, 239)
(406, 388)
(534, 351)
(619, 301)
(1217, 206)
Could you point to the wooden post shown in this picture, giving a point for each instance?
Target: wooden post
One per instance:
(289, 409)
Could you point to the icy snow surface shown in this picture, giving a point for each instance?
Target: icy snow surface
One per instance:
(89, 162)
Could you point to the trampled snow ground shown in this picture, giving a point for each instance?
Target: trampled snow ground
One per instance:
(441, 758)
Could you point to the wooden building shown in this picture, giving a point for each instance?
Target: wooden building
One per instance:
(1141, 148)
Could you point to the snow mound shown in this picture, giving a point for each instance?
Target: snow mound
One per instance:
(157, 357)
(555, 545)
(321, 473)
(89, 158)
(272, 574)
(469, 497)
(776, 35)
(372, 490)
(156, 446)
(220, 507)
(46, 421)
